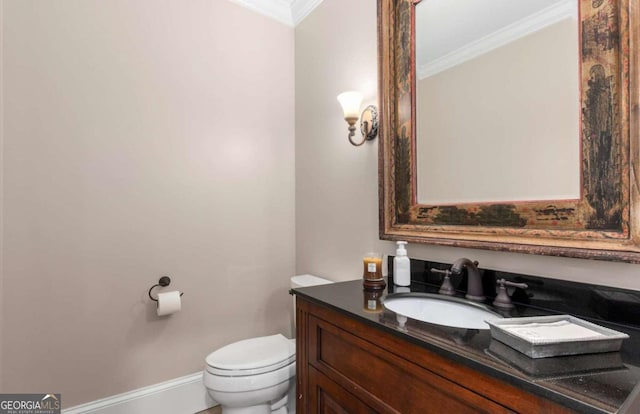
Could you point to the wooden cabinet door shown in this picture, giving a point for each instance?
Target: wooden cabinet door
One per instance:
(327, 397)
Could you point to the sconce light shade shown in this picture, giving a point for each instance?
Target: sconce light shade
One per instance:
(350, 102)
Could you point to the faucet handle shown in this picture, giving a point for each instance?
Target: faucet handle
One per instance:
(446, 288)
(503, 300)
(444, 272)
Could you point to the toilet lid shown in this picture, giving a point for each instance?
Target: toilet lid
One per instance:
(252, 356)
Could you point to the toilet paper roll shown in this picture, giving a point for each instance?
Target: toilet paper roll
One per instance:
(169, 302)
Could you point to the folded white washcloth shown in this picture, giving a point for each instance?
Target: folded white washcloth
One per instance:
(559, 331)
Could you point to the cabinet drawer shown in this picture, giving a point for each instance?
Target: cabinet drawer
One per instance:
(384, 380)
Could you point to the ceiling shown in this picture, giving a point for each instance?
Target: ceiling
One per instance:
(289, 12)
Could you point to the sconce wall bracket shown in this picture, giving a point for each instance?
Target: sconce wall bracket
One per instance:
(368, 125)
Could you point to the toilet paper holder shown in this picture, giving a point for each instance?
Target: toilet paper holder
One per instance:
(164, 281)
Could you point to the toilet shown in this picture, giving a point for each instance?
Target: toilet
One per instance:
(256, 375)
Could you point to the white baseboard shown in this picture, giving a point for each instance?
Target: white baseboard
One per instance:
(184, 395)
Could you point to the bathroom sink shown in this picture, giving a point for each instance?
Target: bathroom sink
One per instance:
(441, 310)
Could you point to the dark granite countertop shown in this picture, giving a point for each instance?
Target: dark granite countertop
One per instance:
(596, 383)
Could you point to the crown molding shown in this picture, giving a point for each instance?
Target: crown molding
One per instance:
(521, 28)
(276, 9)
(288, 12)
(302, 8)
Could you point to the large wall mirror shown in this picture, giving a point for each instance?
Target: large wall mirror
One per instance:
(511, 125)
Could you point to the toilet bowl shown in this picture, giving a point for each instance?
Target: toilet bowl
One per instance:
(256, 375)
(250, 376)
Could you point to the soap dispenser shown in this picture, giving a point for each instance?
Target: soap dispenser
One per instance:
(401, 266)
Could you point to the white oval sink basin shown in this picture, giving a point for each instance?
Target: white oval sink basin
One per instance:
(441, 310)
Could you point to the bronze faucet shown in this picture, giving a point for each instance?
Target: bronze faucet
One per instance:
(474, 278)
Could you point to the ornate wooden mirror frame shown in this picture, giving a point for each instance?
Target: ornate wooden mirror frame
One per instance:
(603, 224)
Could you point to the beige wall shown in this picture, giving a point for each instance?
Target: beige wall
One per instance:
(141, 138)
(336, 184)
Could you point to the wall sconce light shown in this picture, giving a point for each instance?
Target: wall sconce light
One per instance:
(350, 102)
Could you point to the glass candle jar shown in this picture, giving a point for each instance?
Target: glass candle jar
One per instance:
(372, 275)
(372, 266)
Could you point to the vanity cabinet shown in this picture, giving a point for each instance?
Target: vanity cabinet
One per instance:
(347, 366)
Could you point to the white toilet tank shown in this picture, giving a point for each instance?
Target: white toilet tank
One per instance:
(307, 280)
(301, 281)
